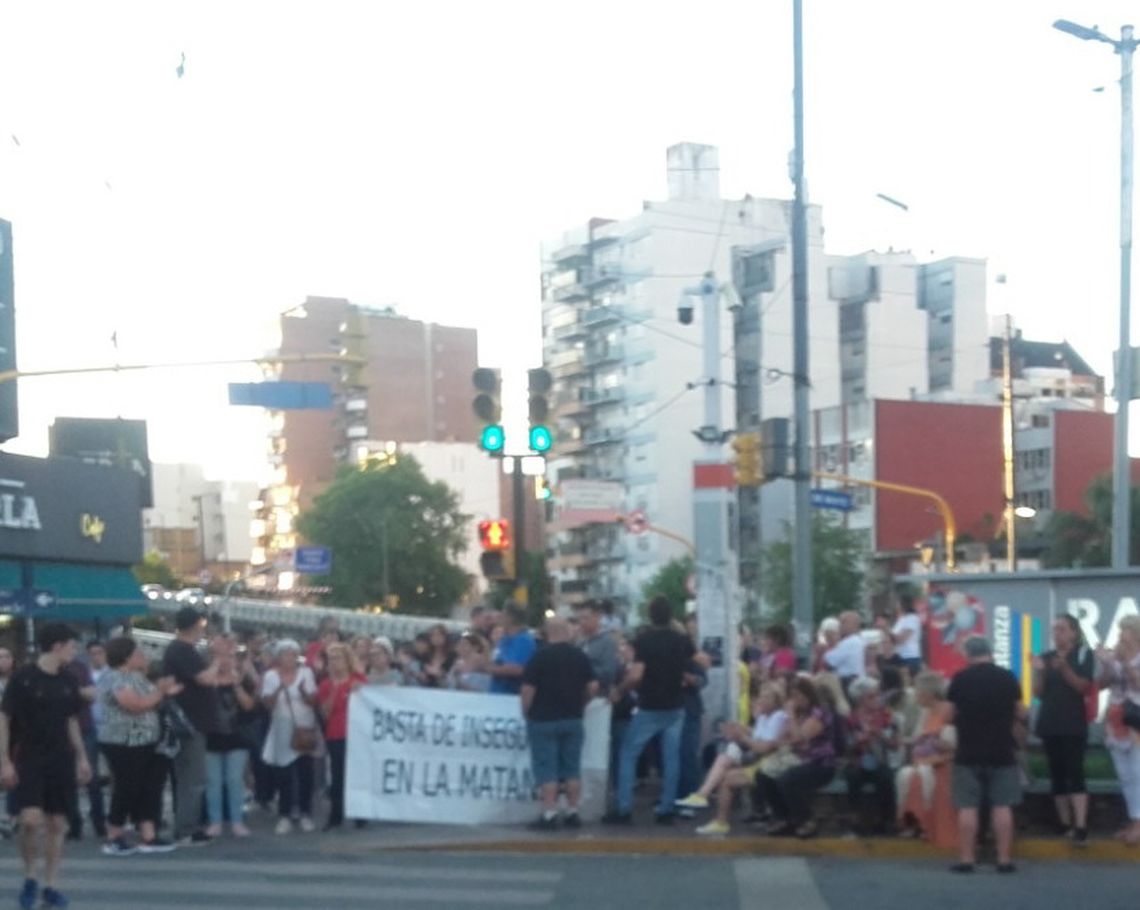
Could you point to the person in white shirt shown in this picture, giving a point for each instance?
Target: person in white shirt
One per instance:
(289, 692)
(906, 633)
(848, 659)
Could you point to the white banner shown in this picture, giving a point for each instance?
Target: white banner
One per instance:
(435, 756)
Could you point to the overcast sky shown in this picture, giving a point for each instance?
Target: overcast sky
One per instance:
(417, 153)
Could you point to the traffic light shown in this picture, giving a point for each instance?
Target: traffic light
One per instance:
(774, 452)
(498, 565)
(353, 349)
(747, 461)
(539, 384)
(495, 535)
(488, 407)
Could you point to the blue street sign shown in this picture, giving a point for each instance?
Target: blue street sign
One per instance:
(312, 560)
(22, 601)
(836, 500)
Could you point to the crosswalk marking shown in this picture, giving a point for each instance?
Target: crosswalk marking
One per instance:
(776, 882)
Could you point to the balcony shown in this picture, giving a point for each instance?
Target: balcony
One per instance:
(598, 354)
(356, 432)
(356, 404)
(598, 398)
(604, 436)
(574, 331)
(570, 403)
(603, 315)
(600, 277)
(569, 293)
(570, 255)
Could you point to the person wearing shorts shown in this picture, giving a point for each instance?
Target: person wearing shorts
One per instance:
(986, 701)
(43, 757)
(556, 684)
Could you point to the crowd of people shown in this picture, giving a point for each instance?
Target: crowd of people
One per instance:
(261, 725)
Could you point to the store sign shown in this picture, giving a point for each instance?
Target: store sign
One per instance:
(62, 509)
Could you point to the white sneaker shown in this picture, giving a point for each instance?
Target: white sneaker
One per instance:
(307, 824)
(284, 826)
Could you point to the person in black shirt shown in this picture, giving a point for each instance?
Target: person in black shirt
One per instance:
(660, 658)
(987, 702)
(556, 684)
(42, 756)
(1062, 679)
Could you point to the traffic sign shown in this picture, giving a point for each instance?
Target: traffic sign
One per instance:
(24, 601)
(637, 522)
(312, 560)
(836, 500)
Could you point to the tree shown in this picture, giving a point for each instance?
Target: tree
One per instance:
(390, 520)
(838, 557)
(1073, 540)
(155, 570)
(671, 582)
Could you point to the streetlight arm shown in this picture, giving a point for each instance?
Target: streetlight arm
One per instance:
(1081, 31)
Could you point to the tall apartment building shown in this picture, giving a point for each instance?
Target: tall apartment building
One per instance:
(880, 325)
(415, 386)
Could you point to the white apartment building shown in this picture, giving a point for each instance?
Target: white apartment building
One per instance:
(880, 325)
(219, 511)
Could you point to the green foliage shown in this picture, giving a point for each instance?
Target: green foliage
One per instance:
(537, 583)
(1085, 541)
(838, 564)
(391, 510)
(155, 570)
(670, 582)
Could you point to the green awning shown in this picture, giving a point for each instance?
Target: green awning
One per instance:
(10, 576)
(88, 591)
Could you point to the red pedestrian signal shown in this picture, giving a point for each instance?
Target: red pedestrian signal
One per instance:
(495, 535)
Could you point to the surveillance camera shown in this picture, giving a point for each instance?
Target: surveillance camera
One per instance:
(685, 313)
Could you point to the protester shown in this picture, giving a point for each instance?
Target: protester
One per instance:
(11, 809)
(556, 685)
(906, 635)
(289, 692)
(986, 702)
(873, 735)
(1062, 680)
(7, 666)
(737, 766)
(344, 677)
(227, 748)
(361, 649)
(788, 789)
(598, 644)
(131, 728)
(97, 814)
(197, 699)
(328, 632)
(43, 756)
(1120, 671)
(827, 639)
(483, 621)
(848, 657)
(512, 653)
(660, 657)
(381, 671)
(925, 806)
(468, 671)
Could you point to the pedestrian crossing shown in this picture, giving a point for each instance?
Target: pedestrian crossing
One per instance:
(198, 882)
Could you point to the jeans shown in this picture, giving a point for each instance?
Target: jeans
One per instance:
(882, 781)
(337, 755)
(295, 788)
(225, 771)
(1127, 763)
(189, 784)
(691, 775)
(139, 777)
(644, 726)
(94, 789)
(789, 795)
(618, 730)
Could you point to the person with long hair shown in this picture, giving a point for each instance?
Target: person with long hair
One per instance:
(1120, 671)
(344, 677)
(1062, 680)
(810, 732)
(227, 750)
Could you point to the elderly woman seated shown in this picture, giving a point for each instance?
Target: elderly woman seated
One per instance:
(873, 735)
(923, 787)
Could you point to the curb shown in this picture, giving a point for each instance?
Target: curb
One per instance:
(841, 848)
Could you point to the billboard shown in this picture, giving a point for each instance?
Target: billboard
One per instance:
(9, 405)
(107, 442)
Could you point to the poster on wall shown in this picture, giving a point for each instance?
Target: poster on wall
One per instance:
(949, 617)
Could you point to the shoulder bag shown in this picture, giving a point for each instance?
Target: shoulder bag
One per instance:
(304, 740)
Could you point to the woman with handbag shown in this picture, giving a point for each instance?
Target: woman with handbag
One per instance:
(227, 749)
(289, 692)
(1120, 671)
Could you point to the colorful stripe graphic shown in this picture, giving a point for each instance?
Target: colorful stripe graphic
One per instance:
(1025, 639)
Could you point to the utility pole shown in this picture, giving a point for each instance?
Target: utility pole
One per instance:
(802, 610)
(1007, 447)
(716, 566)
(518, 507)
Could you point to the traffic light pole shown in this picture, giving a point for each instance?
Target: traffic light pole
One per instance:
(518, 511)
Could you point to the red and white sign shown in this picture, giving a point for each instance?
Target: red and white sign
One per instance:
(637, 522)
(583, 502)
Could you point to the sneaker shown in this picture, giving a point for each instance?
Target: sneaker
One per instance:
(284, 826)
(157, 845)
(52, 898)
(120, 846)
(197, 839)
(617, 818)
(307, 824)
(214, 831)
(572, 820)
(30, 894)
(693, 801)
(240, 830)
(713, 829)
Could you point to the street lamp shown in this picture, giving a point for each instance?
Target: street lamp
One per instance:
(1121, 480)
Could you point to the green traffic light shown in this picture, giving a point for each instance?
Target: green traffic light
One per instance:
(492, 439)
(540, 439)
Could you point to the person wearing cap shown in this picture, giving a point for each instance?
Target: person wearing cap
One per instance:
(986, 703)
(197, 700)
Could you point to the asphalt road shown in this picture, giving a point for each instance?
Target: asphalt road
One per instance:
(255, 876)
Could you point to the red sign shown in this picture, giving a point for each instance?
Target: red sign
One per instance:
(637, 522)
(949, 618)
(495, 535)
(713, 476)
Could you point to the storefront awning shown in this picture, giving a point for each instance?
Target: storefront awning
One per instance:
(88, 592)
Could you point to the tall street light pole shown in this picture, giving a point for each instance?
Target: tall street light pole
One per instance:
(1121, 474)
(802, 613)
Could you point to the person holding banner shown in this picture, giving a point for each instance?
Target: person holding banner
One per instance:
(512, 653)
(344, 677)
(556, 685)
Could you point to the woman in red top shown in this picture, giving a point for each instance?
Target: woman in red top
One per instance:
(332, 700)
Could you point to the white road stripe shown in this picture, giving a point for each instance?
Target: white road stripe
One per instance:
(139, 867)
(776, 882)
(125, 892)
